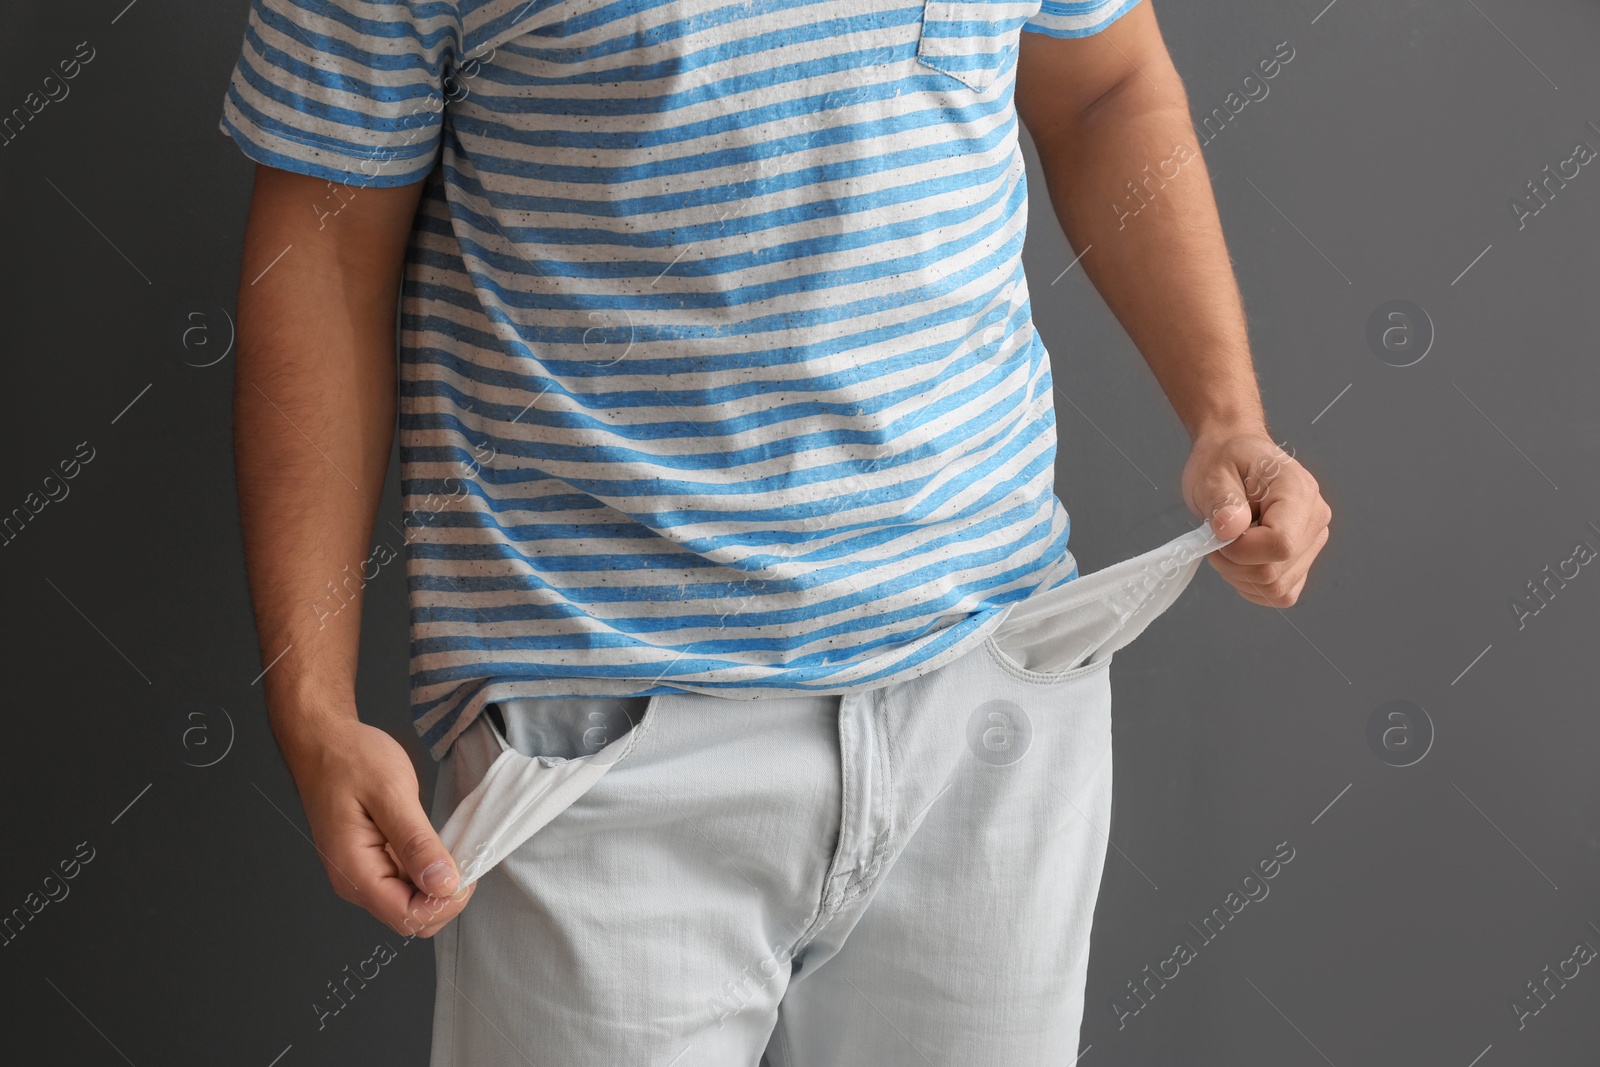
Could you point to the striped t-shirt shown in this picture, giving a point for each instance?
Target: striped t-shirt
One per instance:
(717, 369)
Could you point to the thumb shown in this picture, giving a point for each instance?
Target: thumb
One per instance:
(1222, 499)
(416, 846)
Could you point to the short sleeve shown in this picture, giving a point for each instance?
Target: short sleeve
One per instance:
(1076, 18)
(343, 89)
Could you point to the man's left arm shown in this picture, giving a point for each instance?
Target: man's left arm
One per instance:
(1110, 118)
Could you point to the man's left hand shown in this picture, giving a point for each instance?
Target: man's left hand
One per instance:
(1236, 477)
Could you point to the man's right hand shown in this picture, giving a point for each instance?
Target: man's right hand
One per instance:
(376, 842)
(314, 417)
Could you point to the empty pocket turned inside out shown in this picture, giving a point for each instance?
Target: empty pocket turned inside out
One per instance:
(1086, 620)
(540, 755)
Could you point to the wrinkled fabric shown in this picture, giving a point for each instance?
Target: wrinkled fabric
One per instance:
(896, 877)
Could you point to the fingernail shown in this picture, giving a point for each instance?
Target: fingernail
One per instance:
(436, 876)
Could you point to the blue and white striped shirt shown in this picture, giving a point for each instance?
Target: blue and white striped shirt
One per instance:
(717, 368)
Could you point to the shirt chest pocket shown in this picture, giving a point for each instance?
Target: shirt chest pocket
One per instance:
(971, 40)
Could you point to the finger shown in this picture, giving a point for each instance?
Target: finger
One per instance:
(1284, 590)
(1220, 497)
(1286, 599)
(1287, 510)
(373, 880)
(363, 872)
(415, 844)
(1264, 574)
(426, 916)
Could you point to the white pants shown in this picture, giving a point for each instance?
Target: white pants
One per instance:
(900, 876)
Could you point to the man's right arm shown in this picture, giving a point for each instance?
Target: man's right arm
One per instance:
(314, 414)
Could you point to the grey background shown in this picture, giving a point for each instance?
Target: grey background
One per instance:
(1420, 899)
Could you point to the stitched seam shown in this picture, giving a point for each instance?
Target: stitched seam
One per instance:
(880, 841)
(783, 1039)
(823, 914)
(977, 85)
(886, 775)
(846, 800)
(882, 848)
(1022, 674)
(869, 870)
(928, 56)
(290, 136)
(859, 889)
(808, 930)
(636, 735)
(455, 989)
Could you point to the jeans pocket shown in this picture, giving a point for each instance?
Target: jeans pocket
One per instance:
(533, 767)
(1013, 666)
(557, 729)
(1057, 634)
(1065, 715)
(970, 40)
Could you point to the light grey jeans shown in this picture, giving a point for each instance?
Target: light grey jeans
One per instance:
(900, 876)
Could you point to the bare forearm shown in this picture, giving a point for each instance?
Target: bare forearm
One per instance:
(314, 414)
(1131, 190)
